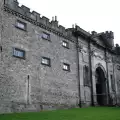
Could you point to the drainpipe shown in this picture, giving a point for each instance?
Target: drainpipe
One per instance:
(90, 69)
(79, 88)
(107, 79)
(28, 82)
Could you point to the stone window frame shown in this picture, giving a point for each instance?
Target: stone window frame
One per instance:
(48, 61)
(47, 34)
(67, 44)
(19, 50)
(86, 79)
(67, 66)
(23, 23)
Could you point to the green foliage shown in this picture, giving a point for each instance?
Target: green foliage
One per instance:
(92, 113)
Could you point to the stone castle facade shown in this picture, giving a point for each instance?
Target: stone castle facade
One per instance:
(45, 66)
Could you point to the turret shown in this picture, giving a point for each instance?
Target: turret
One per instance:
(108, 38)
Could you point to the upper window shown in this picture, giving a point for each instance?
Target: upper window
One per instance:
(18, 53)
(46, 36)
(46, 61)
(86, 76)
(65, 44)
(21, 25)
(66, 67)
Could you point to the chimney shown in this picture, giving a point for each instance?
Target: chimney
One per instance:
(55, 18)
(52, 18)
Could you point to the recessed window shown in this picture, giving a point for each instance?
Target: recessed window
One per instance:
(66, 67)
(18, 53)
(46, 36)
(46, 61)
(21, 25)
(86, 76)
(65, 44)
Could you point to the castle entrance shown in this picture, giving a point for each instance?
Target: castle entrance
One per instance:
(101, 90)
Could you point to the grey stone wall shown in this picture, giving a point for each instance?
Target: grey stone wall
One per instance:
(48, 86)
(26, 84)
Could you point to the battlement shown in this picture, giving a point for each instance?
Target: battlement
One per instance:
(34, 17)
(109, 34)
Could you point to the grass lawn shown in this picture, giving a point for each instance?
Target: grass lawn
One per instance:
(91, 113)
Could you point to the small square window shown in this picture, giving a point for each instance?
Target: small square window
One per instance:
(46, 61)
(65, 44)
(46, 36)
(18, 53)
(66, 67)
(21, 25)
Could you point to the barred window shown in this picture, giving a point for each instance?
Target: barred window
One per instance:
(18, 53)
(21, 25)
(46, 61)
(46, 36)
(65, 44)
(66, 67)
(86, 76)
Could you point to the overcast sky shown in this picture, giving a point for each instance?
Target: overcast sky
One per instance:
(97, 15)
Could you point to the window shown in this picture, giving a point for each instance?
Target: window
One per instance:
(86, 76)
(112, 83)
(46, 36)
(118, 67)
(66, 67)
(18, 53)
(65, 44)
(21, 25)
(46, 61)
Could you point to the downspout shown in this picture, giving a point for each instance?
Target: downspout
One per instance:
(79, 87)
(107, 79)
(28, 82)
(90, 69)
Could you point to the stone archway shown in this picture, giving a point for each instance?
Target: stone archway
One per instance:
(101, 88)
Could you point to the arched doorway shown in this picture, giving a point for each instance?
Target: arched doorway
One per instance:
(101, 90)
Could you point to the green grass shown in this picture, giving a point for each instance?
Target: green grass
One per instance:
(92, 113)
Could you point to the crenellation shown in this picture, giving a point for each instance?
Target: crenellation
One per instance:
(61, 29)
(44, 20)
(34, 16)
(25, 9)
(37, 15)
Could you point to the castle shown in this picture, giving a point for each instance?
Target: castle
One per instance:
(45, 66)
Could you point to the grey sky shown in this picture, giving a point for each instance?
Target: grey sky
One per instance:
(98, 15)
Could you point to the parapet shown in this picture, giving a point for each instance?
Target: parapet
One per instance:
(34, 17)
(82, 32)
